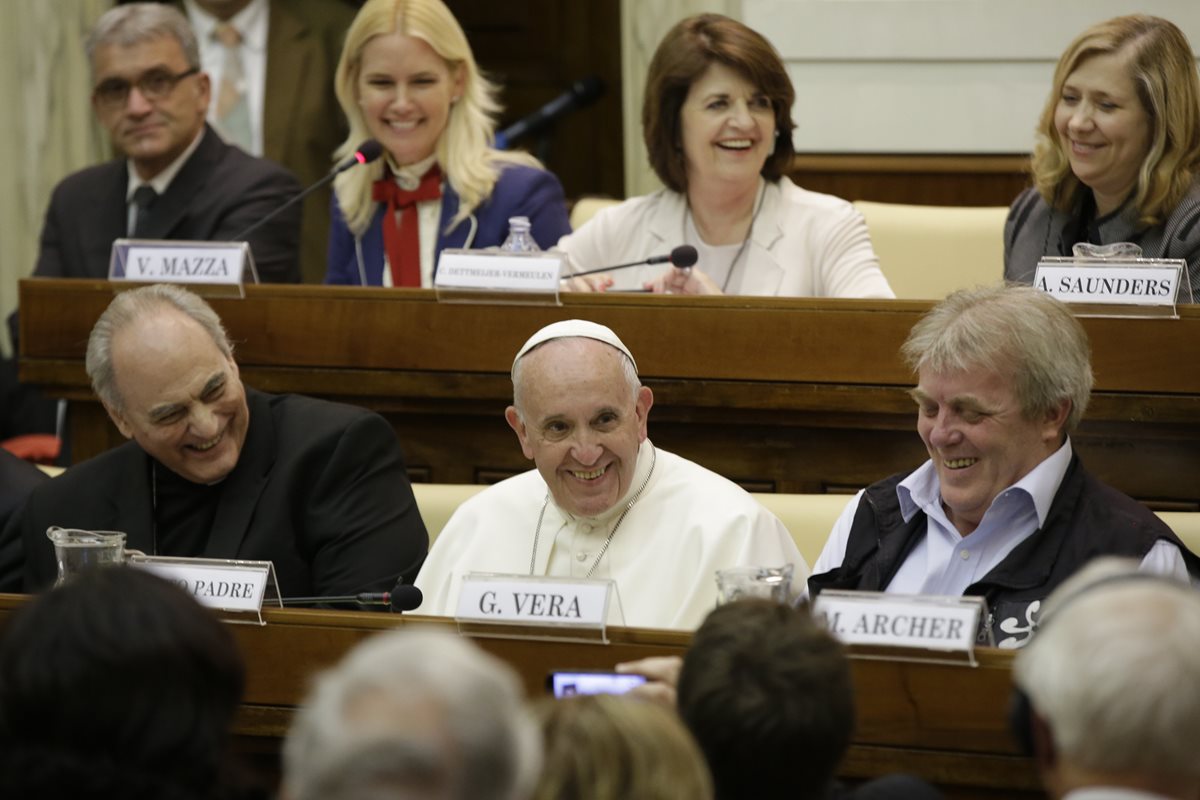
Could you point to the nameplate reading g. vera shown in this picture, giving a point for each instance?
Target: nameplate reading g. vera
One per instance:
(505, 272)
(228, 585)
(216, 263)
(541, 601)
(873, 618)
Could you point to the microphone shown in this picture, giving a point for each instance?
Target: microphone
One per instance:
(368, 151)
(683, 257)
(402, 597)
(583, 92)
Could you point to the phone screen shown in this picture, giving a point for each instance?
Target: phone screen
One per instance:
(566, 684)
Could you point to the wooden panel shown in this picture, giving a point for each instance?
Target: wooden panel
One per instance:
(946, 723)
(946, 180)
(535, 50)
(802, 395)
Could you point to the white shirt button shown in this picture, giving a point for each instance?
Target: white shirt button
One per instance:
(965, 555)
(581, 556)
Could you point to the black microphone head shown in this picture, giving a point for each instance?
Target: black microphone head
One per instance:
(684, 256)
(368, 151)
(406, 598)
(587, 90)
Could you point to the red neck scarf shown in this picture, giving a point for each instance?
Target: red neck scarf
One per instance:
(403, 242)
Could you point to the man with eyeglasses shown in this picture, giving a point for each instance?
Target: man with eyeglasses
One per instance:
(178, 179)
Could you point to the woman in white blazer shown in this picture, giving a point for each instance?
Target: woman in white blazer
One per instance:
(717, 124)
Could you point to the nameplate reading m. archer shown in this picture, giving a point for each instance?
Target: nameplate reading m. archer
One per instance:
(218, 583)
(195, 262)
(910, 621)
(1112, 284)
(528, 600)
(535, 273)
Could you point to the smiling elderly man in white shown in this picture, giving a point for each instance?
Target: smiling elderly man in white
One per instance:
(604, 502)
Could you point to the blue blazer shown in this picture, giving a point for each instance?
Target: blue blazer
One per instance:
(520, 191)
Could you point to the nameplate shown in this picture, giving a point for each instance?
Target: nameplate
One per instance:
(922, 622)
(1150, 282)
(476, 270)
(525, 600)
(207, 263)
(229, 585)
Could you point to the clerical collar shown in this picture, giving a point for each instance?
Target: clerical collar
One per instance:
(409, 177)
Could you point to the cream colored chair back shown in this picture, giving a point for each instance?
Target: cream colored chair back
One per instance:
(927, 252)
(586, 207)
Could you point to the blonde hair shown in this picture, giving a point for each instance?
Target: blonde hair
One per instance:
(601, 747)
(464, 150)
(1161, 67)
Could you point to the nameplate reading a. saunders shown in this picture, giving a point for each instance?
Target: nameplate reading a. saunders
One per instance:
(1111, 284)
(909, 621)
(523, 599)
(535, 273)
(227, 585)
(174, 262)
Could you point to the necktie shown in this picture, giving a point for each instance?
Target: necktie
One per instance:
(403, 243)
(143, 199)
(233, 109)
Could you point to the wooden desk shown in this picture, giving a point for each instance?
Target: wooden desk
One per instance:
(779, 394)
(945, 723)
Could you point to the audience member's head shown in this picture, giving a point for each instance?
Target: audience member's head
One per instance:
(601, 747)
(1109, 689)
(148, 89)
(413, 714)
(116, 684)
(768, 696)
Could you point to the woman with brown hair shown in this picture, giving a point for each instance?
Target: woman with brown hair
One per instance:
(717, 124)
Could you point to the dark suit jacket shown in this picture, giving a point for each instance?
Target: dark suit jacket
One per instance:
(520, 191)
(17, 479)
(320, 489)
(219, 192)
(302, 127)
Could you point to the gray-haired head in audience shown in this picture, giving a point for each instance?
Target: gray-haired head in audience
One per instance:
(414, 713)
(134, 23)
(1112, 682)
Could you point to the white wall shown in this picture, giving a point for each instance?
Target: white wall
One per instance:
(930, 76)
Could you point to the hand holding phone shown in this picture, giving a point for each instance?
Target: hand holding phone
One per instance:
(565, 683)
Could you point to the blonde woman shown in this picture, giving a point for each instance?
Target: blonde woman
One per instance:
(1117, 152)
(601, 747)
(407, 79)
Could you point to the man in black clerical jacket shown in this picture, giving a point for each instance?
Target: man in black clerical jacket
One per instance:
(218, 470)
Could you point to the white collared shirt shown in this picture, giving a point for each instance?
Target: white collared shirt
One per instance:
(253, 23)
(944, 562)
(158, 183)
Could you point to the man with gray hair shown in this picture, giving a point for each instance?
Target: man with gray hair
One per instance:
(603, 502)
(1003, 509)
(215, 469)
(177, 179)
(1108, 694)
(413, 714)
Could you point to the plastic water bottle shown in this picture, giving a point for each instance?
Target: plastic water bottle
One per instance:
(519, 239)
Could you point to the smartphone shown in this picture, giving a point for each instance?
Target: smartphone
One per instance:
(565, 683)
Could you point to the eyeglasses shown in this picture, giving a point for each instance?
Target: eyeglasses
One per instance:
(154, 85)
